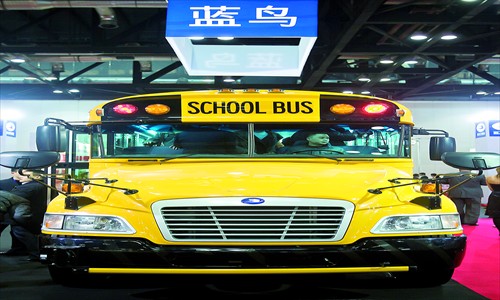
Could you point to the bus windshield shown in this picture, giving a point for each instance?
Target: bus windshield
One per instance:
(130, 140)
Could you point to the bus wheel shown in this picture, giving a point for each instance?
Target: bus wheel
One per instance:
(428, 278)
(68, 277)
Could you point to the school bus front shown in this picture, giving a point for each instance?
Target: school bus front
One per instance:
(243, 182)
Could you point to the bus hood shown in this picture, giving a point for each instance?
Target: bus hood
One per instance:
(331, 180)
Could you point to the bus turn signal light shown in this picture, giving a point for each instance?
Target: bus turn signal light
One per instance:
(157, 109)
(342, 109)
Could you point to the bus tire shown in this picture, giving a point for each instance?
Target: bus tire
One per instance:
(428, 278)
(68, 277)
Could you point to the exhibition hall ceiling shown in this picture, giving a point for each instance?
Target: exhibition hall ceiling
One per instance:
(109, 49)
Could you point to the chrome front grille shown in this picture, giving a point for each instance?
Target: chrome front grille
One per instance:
(272, 221)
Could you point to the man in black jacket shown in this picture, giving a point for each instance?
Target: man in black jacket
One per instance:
(26, 205)
(7, 184)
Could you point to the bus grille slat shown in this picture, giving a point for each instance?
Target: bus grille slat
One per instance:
(280, 223)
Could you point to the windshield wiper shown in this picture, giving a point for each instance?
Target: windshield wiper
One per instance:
(160, 160)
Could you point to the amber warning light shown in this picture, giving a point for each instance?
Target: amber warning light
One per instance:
(157, 109)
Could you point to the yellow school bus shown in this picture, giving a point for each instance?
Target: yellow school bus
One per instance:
(235, 182)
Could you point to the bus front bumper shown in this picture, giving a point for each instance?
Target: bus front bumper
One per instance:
(137, 256)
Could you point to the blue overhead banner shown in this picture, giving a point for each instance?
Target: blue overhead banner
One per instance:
(250, 18)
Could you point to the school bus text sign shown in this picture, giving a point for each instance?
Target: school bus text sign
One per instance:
(270, 108)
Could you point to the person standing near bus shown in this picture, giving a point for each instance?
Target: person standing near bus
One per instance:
(7, 184)
(493, 206)
(26, 203)
(466, 193)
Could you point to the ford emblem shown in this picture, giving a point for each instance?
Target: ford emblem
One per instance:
(252, 201)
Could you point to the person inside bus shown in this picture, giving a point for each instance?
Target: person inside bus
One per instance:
(338, 136)
(266, 141)
(205, 139)
(315, 142)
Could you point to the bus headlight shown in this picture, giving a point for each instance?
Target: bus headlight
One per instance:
(415, 223)
(86, 223)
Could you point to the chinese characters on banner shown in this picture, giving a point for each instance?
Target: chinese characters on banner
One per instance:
(286, 31)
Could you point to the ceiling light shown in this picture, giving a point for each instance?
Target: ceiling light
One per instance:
(364, 78)
(225, 38)
(17, 60)
(481, 93)
(73, 91)
(449, 36)
(386, 60)
(385, 79)
(365, 92)
(229, 79)
(411, 61)
(196, 38)
(418, 36)
(57, 91)
(347, 92)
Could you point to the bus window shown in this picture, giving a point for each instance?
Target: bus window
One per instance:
(152, 140)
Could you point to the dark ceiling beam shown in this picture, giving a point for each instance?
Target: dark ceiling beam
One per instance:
(362, 50)
(82, 71)
(160, 73)
(400, 18)
(349, 33)
(377, 70)
(91, 50)
(30, 23)
(387, 35)
(106, 92)
(434, 80)
(123, 36)
(485, 75)
(422, 48)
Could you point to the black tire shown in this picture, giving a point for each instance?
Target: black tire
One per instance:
(69, 277)
(428, 278)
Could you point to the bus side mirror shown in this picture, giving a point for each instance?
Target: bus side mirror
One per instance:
(472, 160)
(28, 159)
(439, 145)
(51, 138)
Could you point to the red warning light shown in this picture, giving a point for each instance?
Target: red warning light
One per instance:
(375, 108)
(125, 109)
